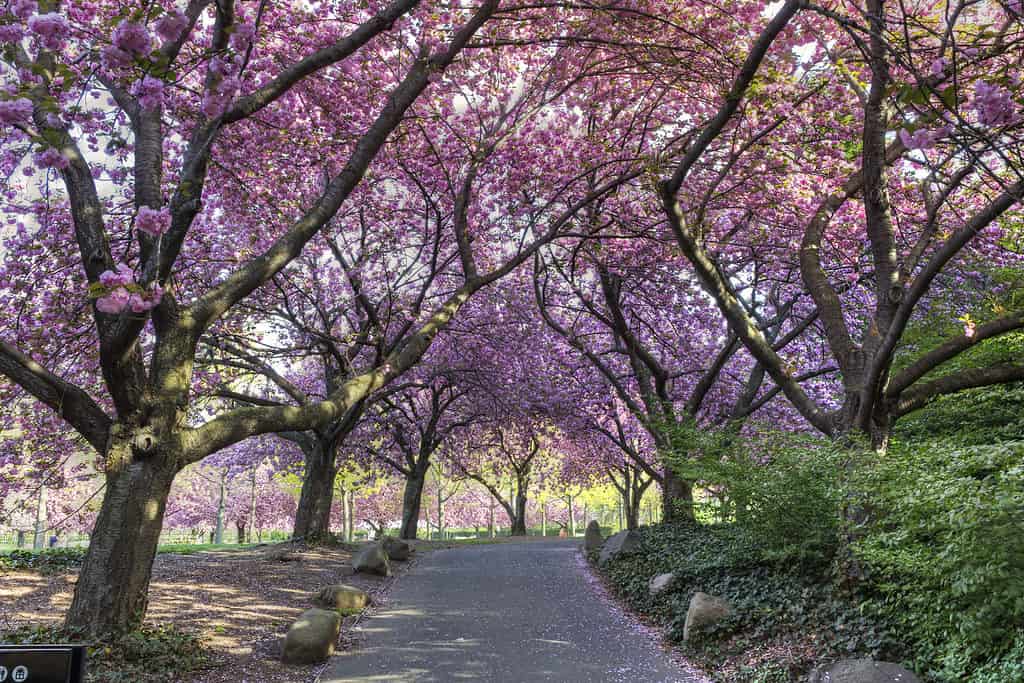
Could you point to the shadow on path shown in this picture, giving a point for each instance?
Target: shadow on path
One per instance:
(503, 612)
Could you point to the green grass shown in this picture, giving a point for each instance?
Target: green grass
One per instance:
(192, 548)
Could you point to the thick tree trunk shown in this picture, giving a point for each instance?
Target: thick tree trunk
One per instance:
(676, 498)
(240, 526)
(412, 499)
(313, 515)
(519, 519)
(112, 589)
(632, 509)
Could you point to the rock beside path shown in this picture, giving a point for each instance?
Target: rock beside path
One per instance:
(592, 539)
(862, 671)
(312, 637)
(342, 597)
(372, 559)
(705, 610)
(617, 544)
(659, 583)
(396, 548)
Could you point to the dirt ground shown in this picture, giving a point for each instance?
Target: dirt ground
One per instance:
(239, 602)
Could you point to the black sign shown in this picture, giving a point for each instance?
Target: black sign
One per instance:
(42, 663)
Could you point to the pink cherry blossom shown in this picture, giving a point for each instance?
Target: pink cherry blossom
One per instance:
(170, 26)
(153, 222)
(114, 302)
(132, 38)
(52, 29)
(51, 158)
(150, 92)
(15, 111)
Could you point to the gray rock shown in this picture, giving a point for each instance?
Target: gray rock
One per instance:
(623, 542)
(312, 637)
(592, 539)
(396, 548)
(342, 597)
(659, 583)
(372, 560)
(704, 610)
(862, 671)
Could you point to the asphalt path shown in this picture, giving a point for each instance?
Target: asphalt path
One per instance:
(502, 612)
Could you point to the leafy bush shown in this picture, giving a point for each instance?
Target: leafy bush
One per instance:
(784, 489)
(946, 555)
(49, 561)
(806, 616)
(159, 654)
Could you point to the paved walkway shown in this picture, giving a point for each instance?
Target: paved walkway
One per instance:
(501, 613)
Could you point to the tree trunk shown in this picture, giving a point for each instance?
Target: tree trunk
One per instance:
(633, 513)
(252, 507)
(218, 533)
(112, 589)
(412, 499)
(544, 520)
(676, 498)
(21, 538)
(572, 519)
(440, 513)
(490, 520)
(39, 532)
(313, 515)
(240, 525)
(519, 519)
(350, 532)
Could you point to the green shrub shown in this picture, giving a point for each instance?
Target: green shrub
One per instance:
(161, 654)
(946, 554)
(772, 605)
(46, 561)
(784, 489)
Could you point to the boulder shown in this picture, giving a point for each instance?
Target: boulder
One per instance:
(592, 539)
(372, 560)
(659, 583)
(312, 637)
(396, 548)
(342, 597)
(862, 671)
(622, 542)
(704, 610)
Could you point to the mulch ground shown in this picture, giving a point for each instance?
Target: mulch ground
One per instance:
(239, 602)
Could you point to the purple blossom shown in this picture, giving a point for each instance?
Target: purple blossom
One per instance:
(170, 26)
(114, 302)
(132, 38)
(15, 111)
(113, 60)
(922, 138)
(23, 9)
(121, 276)
(11, 33)
(153, 222)
(50, 158)
(241, 36)
(993, 104)
(150, 92)
(938, 67)
(52, 29)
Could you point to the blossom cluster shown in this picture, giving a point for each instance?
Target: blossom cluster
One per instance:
(123, 293)
(153, 222)
(994, 104)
